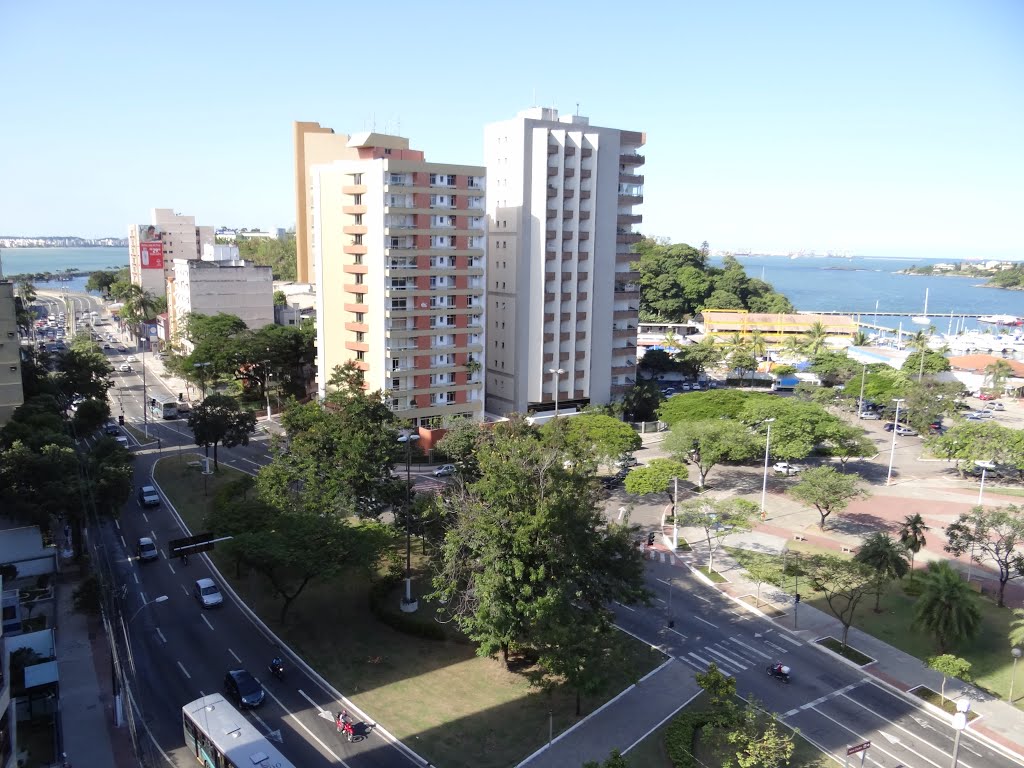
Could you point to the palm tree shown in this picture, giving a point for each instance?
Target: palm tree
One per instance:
(816, 336)
(1017, 627)
(758, 344)
(736, 344)
(946, 607)
(887, 557)
(997, 373)
(138, 305)
(860, 339)
(794, 345)
(912, 537)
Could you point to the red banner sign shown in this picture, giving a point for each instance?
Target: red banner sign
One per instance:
(152, 255)
(858, 748)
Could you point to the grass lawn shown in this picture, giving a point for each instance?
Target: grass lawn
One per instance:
(715, 576)
(849, 652)
(935, 698)
(451, 706)
(138, 434)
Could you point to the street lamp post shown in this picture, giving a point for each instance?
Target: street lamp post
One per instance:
(556, 373)
(161, 599)
(860, 401)
(266, 385)
(959, 723)
(202, 375)
(1016, 652)
(409, 605)
(895, 426)
(118, 704)
(764, 480)
(985, 466)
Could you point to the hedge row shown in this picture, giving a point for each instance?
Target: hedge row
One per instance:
(681, 735)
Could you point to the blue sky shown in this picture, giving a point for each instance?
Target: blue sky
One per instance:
(881, 128)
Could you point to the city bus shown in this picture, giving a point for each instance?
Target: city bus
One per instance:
(166, 409)
(218, 736)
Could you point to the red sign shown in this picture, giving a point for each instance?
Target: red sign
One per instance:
(858, 748)
(152, 255)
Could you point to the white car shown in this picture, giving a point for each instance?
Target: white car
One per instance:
(785, 468)
(132, 359)
(979, 415)
(124, 368)
(445, 470)
(869, 415)
(905, 431)
(995, 406)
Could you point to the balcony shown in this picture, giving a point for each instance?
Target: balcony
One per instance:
(354, 250)
(586, 152)
(354, 229)
(570, 172)
(552, 191)
(584, 236)
(567, 213)
(626, 219)
(549, 277)
(585, 173)
(631, 178)
(549, 297)
(550, 316)
(583, 255)
(550, 255)
(552, 170)
(549, 337)
(570, 151)
(584, 215)
(566, 277)
(631, 158)
(353, 189)
(552, 234)
(552, 213)
(584, 194)
(631, 199)
(624, 314)
(629, 238)
(567, 234)
(355, 288)
(569, 194)
(582, 276)
(552, 149)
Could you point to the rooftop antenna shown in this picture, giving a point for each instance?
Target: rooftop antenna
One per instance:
(374, 122)
(577, 109)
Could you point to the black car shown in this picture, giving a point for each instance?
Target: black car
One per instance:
(110, 428)
(243, 689)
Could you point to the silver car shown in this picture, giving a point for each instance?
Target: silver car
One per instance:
(207, 593)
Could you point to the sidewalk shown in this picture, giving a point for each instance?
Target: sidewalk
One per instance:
(623, 721)
(89, 736)
(998, 721)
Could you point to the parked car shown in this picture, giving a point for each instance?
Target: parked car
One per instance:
(207, 593)
(987, 396)
(888, 426)
(626, 461)
(978, 415)
(146, 550)
(996, 406)
(445, 470)
(905, 431)
(785, 468)
(243, 689)
(148, 497)
(869, 415)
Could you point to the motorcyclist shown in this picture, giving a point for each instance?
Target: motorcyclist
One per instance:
(277, 665)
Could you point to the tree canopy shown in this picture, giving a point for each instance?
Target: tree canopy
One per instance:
(826, 490)
(709, 443)
(595, 435)
(994, 535)
(219, 421)
(946, 608)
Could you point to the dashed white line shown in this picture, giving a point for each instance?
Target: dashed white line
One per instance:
(789, 639)
(235, 655)
(701, 597)
(778, 648)
(625, 606)
(678, 633)
(185, 671)
(875, 744)
(254, 463)
(203, 617)
(698, 618)
(161, 635)
(136, 577)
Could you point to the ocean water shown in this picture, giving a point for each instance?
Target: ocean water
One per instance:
(18, 261)
(856, 285)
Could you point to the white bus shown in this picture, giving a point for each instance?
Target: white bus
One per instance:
(218, 736)
(164, 409)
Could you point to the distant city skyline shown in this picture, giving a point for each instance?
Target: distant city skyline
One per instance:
(880, 129)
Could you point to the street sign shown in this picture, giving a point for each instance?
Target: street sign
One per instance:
(858, 748)
(191, 545)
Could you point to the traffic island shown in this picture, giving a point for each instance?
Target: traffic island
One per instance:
(939, 701)
(850, 654)
(766, 608)
(713, 576)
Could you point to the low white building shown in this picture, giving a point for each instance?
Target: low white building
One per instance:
(219, 282)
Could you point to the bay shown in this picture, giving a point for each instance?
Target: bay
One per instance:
(19, 261)
(855, 285)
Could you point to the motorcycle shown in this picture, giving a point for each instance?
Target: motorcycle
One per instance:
(184, 558)
(778, 672)
(276, 667)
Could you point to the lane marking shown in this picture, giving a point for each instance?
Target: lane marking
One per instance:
(707, 664)
(182, 667)
(184, 589)
(791, 713)
(875, 744)
(736, 639)
(701, 597)
(778, 648)
(235, 655)
(698, 618)
(789, 639)
(622, 605)
(135, 576)
(203, 617)
(254, 463)
(161, 634)
(727, 659)
(678, 633)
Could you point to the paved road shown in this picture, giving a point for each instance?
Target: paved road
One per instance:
(832, 703)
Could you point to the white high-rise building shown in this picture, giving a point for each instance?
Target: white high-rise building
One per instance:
(561, 295)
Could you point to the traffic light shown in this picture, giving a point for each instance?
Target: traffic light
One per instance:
(181, 397)
(120, 420)
(152, 402)
(798, 597)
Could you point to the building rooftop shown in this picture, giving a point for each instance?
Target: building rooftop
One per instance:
(978, 363)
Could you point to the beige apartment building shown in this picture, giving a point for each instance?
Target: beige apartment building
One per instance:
(398, 247)
(314, 145)
(562, 299)
(218, 282)
(153, 247)
(11, 393)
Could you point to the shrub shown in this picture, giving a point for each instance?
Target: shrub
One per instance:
(86, 597)
(680, 737)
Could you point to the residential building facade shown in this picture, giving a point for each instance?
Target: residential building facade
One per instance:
(153, 247)
(11, 393)
(314, 145)
(398, 245)
(561, 294)
(219, 282)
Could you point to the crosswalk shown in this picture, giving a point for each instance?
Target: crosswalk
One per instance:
(738, 653)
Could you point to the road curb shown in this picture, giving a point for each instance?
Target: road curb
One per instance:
(294, 657)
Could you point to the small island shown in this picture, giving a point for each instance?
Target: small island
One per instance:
(999, 274)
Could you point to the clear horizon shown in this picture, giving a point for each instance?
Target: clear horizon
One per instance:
(887, 130)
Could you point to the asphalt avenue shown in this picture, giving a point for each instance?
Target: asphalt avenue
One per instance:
(832, 703)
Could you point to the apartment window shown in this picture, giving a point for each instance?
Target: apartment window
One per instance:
(357, 178)
(360, 336)
(397, 304)
(359, 218)
(357, 239)
(357, 258)
(360, 355)
(357, 199)
(395, 364)
(359, 317)
(396, 383)
(359, 279)
(450, 320)
(449, 397)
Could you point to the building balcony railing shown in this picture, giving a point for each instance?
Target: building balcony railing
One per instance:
(553, 149)
(626, 219)
(552, 191)
(552, 213)
(552, 170)
(570, 151)
(631, 158)
(631, 178)
(586, 152)
(631, 199)
(628, 238)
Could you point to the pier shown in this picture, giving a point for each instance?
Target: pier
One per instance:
(910, 313)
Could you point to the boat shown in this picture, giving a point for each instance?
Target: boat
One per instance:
(923, 319)
(1001, 320)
